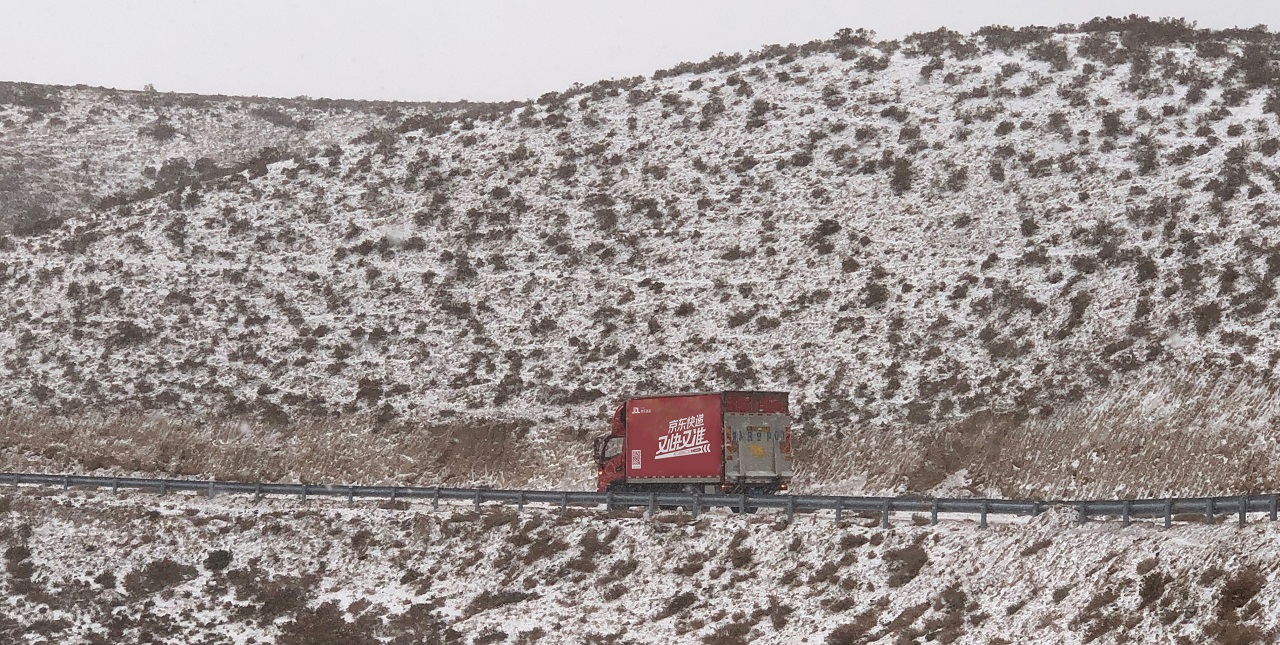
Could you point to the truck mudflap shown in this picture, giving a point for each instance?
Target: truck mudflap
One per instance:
(757, 446)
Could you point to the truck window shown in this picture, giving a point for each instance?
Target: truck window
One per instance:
(612, 447)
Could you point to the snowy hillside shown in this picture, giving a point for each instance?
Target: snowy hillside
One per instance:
(1017, 225)
(99, 569)
(66, 150)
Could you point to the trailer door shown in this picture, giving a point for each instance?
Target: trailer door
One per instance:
(757, 446)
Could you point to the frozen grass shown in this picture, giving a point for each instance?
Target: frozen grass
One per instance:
(1171, 434)
(349, 450)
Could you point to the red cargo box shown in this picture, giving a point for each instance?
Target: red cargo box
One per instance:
(674, 438)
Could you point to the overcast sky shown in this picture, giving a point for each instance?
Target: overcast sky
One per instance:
(470, 49)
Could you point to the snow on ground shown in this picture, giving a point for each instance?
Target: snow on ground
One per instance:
(90, 567)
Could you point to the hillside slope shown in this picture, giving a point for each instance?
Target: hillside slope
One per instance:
(68, 150)
(1024, 224)
(98, 568)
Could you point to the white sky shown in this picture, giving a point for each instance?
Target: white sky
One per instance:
(471, 49)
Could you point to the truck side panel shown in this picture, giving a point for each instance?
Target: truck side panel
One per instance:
(674, 438)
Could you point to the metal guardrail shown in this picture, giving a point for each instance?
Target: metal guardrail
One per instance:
(1125, 510)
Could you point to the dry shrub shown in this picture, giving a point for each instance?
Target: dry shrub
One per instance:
(620, 571)
(1100, 600)
(1238, 590)
(1210, 575)
(156, 576)
(904, 564)
(778, 613)
(532, 636)
(1101, 627)
(325, 625)
(1061, 594)
(492, 600)
(1152, 588)
(902, 624)
(217, 560)
(545, 546)
(853, 633)
(490, 636)
(694, 564)
(852, 541)
(734, 633)
(1039, 546)
(500, 517)
(248, 450)
(1232, 633)
(677, 604)
(270, 596)
(740, 555)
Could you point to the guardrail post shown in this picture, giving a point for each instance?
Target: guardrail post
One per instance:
(435, 499)
(520, 503)
(1208, 511)
(742, 510)
(1273, 507)
(791, 509)
(351, 496)
(1244, 509)
(608, 500)
(66, 482)
(1124, 512)
(209, 494)
(839, 508)
(15, 480)
(982, 519)
(884, 514)
(564, 503)
(1081, 513)
(477, 500)
(697, 505)
(303, 497)
(393, 496)
(164, 488)
(933, 512)
(257, 491)
(653, 505)
(115, 486)
(1168, 513)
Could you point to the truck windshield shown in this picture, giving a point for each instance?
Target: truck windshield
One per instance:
(612, 446)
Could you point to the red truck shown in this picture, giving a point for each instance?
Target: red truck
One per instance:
(721, 442)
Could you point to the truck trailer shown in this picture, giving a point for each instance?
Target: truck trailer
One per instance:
(719, 442)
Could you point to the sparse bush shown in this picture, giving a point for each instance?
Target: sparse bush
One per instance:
(487, 600)
(901, 175)
(677, 604)
(1238, 590)
(159, 574)
(905, 564)
(217, 560)
(326, 625)
(1037, 547)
